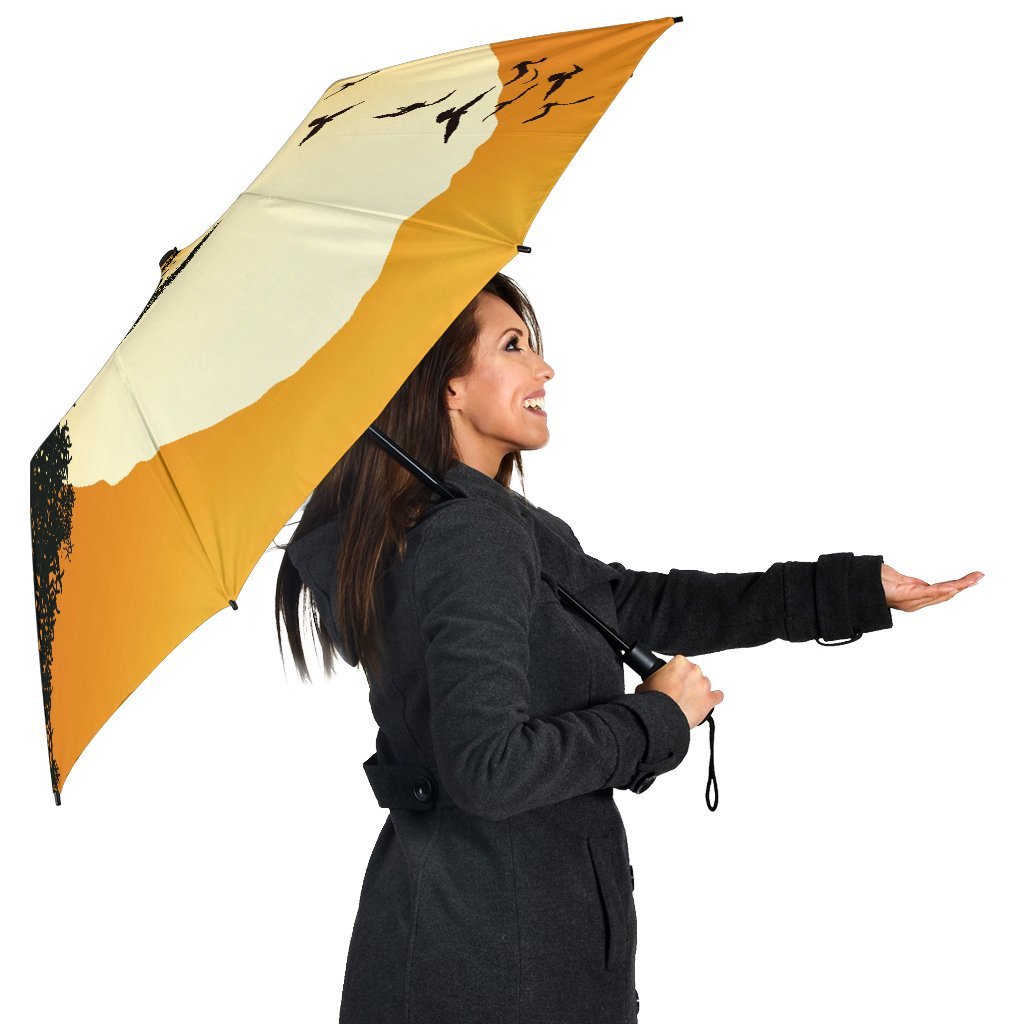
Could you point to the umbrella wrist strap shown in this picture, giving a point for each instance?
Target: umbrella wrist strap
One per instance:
(712, 780)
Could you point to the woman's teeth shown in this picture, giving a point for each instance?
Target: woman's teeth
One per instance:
(534, 404)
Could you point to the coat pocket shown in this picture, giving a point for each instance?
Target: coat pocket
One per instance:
(604, 851)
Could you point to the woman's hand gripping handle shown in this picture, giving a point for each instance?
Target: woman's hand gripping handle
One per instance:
(687, 685)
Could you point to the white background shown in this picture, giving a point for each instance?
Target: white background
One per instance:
(780, 286)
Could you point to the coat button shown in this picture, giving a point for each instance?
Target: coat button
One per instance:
(637, 994)
(643, 782)
(631, 885)
(422, 789)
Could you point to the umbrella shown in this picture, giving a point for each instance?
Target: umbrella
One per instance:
(400, 194)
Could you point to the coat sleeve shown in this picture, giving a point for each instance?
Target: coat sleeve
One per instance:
(690, 612)
(475, 580)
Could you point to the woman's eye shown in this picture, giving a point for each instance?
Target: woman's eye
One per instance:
(513, 341)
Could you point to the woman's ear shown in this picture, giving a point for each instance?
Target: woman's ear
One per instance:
(453, 395)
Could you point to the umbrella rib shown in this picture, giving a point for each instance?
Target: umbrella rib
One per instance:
(387, 216)
(167, 469)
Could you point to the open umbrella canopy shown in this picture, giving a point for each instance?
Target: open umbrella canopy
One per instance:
(277, 337)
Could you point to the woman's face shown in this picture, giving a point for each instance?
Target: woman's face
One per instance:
(488, 416)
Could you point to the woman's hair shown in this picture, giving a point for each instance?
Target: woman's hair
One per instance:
(378, 499)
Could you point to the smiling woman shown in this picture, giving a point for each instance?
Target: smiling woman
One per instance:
(499, 885)
(498, 407)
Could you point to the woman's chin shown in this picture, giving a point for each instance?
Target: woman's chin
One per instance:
(534, 443)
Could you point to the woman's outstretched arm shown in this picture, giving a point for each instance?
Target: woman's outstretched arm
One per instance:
(692, 611)
(839, 596)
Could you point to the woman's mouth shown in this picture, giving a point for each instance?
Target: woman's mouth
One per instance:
(535, 405)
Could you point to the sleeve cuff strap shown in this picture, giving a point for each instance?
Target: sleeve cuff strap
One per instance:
(849, 596)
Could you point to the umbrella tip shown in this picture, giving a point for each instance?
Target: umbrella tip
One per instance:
(166, 258)
(524, 248)
(680, 18)
(56, 796)
(232, 603)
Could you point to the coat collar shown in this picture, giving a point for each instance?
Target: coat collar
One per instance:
(471, 483)
(562, 556)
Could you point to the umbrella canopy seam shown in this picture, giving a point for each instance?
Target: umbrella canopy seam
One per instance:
(411, 219)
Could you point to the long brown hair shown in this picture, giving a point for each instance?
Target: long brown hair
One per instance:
(378, 499)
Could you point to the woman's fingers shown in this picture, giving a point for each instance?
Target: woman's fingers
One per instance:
(965, 581)
(908, 593)
(934, 600)
(913, 604)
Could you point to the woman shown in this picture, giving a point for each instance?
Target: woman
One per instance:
(499, 888)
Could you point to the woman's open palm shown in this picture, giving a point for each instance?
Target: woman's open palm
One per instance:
(908, 593)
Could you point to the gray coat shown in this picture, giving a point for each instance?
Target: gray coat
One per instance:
(499, 890)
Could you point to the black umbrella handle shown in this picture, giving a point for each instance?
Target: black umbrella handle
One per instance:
(645, 663)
